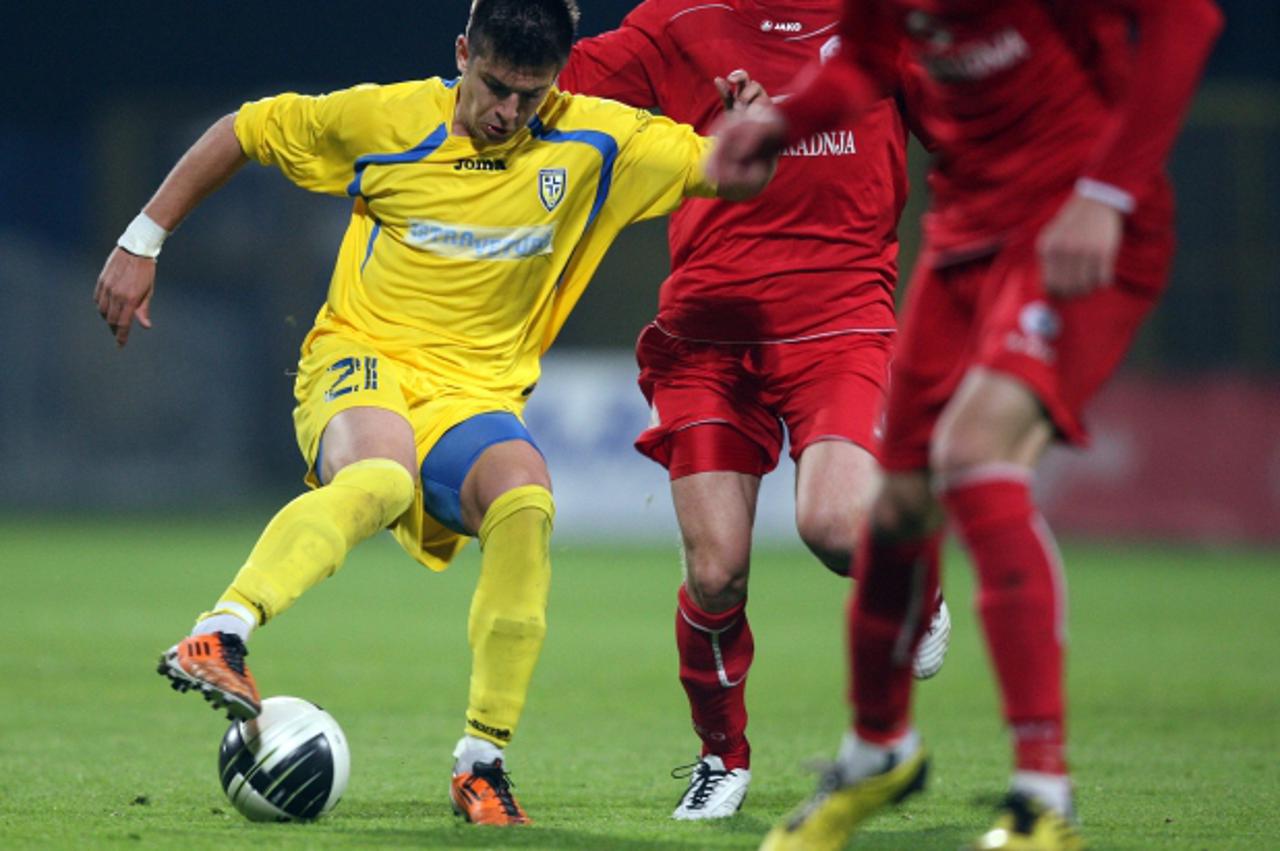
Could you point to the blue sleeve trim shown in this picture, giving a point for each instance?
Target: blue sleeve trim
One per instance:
(601, 141)
(421, 151)
(455, 453)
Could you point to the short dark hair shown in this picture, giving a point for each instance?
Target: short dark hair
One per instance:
(523, 33)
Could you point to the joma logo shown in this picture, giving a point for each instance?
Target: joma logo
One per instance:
(480, 164)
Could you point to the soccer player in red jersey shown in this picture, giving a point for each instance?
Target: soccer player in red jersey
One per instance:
(778, 313)
(1048, 240)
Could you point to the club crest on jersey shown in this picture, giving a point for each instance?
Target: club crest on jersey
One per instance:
(1038, 319)
(1038, 326)
(551, 183)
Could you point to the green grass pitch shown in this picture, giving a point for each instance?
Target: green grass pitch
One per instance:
(1174, 672)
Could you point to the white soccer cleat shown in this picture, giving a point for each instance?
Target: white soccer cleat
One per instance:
(713, 792)
(933, 647)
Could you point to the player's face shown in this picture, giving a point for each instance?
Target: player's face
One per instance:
(495, 99)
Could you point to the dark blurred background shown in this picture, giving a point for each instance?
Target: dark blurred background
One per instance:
(100, 99)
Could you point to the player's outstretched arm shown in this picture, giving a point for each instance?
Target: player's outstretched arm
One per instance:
(124, 288)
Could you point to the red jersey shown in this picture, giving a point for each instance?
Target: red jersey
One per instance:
(816, 252)
(1025, 99)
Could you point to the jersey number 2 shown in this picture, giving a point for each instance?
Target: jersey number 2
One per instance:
(346, 368)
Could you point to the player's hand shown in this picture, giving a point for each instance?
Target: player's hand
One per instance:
(1078, 247)
(739, 91)
(123, 293)
(746, 152)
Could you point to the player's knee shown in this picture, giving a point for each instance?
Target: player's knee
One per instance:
(402, 486)
(500, 470)
(503, 480)
(387, 487)
(961, 447)
(829, 531)
(715, 584)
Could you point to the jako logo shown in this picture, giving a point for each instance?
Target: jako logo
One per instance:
(781, 26)
(480, 164)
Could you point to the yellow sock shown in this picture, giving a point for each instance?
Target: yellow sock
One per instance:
(509, 610)
(310, 537)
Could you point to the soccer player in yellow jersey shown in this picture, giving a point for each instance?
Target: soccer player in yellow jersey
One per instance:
(481, 206)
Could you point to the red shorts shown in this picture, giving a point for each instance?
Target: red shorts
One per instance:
(830, 388)
(994, 312)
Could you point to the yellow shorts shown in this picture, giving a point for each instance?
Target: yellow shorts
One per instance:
(338, 372)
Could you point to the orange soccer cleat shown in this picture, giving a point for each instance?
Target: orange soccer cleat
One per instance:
(214, 664)
(483, 796)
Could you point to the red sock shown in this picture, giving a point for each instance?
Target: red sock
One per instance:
(715, 654)
(889, 610)
(1021, 600)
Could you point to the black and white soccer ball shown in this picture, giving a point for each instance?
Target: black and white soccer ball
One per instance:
(291, 763)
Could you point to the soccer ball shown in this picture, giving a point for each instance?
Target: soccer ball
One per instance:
(291, 763)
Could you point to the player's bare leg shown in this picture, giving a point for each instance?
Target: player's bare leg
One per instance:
(836, 482)
(985, 448)
(368, 453)
(716, 511)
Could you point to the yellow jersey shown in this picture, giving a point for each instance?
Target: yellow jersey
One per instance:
(461, 262)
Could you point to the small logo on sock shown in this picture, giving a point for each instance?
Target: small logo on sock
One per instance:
(713, 735)
(496, 732)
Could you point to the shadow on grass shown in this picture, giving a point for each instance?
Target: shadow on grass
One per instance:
(535, 837)
(743, 831)
(465, 836)
(383, 824)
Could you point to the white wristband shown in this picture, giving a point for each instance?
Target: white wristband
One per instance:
(143, 237)
(1105, 193)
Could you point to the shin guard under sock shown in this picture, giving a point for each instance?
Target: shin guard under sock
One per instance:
(310, 537)
(715, 654)
(1021, 601)
(889, 610)
(508, 619)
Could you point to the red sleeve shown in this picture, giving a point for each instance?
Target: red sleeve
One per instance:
(864, 71)
(624, 64)
(911, 98)
(1173, 39)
